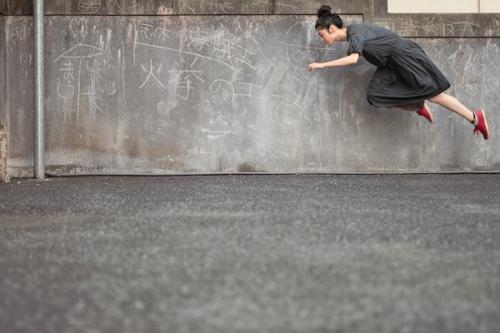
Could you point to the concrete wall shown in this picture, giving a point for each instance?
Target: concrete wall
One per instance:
(3, 155)
(226, 93)
(3, 105)
(3, 90)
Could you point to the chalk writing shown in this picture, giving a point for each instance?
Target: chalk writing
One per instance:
(91, 93)
(71, 63)
(89, 6)
(152, 74)
(432, 25)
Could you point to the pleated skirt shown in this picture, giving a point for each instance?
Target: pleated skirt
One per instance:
(409, 78)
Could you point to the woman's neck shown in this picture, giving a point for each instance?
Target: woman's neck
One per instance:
(342, 34)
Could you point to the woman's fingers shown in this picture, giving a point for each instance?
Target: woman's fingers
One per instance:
(314, 66)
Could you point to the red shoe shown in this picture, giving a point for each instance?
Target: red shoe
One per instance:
(425, 112)
(482, 124)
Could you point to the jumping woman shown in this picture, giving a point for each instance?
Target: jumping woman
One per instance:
(405, 77)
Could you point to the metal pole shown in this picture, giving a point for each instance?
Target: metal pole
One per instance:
(38, 25)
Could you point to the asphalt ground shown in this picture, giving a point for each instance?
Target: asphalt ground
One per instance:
(251, 253)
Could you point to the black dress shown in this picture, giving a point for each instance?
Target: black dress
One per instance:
(405, 74)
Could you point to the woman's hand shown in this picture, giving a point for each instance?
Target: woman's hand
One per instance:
(345, 61)
(315, 66)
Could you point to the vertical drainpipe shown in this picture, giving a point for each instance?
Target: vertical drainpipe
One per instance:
(38, 26)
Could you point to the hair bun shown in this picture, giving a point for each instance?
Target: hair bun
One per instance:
(324, 10)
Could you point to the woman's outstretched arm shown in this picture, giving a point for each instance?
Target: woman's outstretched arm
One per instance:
(345, 61)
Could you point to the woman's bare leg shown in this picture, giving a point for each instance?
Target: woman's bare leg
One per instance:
(454, 105)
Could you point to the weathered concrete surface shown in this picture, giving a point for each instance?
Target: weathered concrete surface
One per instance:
(3, 155)
(76, 7)
(18, 7)
(3, 104)
(216, 94)
(3, 87)
(251, 254)
(368, 8)
(142, 7)
(162, 7)
(19, 95)
(197, 114)
(190, 7)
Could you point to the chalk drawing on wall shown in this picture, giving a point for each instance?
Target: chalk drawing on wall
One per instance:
(80, 50)
(184, 79)
(300, 54)
(152, 74)
(77, 69)
(432, 25)
(126, 7)
(89, 6)
(91, 92)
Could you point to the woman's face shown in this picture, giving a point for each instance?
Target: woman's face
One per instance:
(327, 35)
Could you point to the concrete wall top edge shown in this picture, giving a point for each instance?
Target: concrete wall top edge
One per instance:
(374, 11)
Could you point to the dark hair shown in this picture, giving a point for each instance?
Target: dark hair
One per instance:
(326, 18)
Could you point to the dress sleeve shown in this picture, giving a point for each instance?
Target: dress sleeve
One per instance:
(356, 44)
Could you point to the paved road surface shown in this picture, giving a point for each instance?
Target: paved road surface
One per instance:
(289, 253)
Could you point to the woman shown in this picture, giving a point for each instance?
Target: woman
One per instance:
(405, 77)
